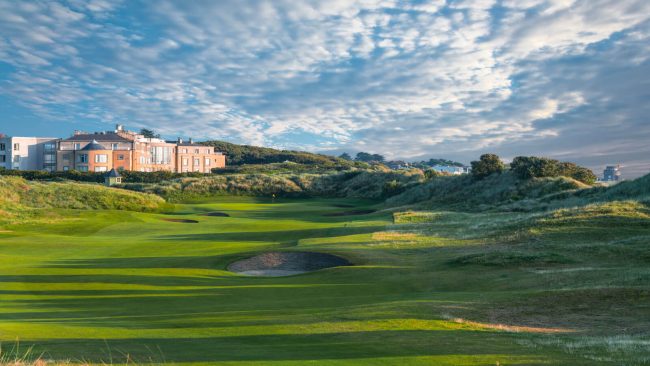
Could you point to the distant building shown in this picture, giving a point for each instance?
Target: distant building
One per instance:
(112, 178)
(28, 153)
(102, 151)
(398, 164)
(612, 173)
(454, 170)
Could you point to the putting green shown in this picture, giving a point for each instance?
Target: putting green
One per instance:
(97, 286)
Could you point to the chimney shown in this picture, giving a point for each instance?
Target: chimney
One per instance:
(180, 140)
(119, 127)
(190, 140)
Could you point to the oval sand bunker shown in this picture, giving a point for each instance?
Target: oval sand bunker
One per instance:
(275, 264)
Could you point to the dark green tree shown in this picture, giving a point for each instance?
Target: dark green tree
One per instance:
(345, 156)
(369, 158)
(149, 133)
(526, 167)
(487, 165)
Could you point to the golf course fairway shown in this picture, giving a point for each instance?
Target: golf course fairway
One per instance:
(445, 288)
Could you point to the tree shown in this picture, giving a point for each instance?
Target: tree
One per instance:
(369, 158)
(487, 165)
(345, 156)
(431, 173)
(526, 167)
(577, 172)
(149, 133)
(378, 158)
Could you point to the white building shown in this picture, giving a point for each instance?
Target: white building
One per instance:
(455, 170)
(28, 153)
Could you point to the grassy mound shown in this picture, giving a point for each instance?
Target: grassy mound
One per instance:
(465, 192)
(19, 196)
(369, 184)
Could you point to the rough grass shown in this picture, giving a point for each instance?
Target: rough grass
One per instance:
(444, 286)
(20, 199)
(466, 193)
(368, 184)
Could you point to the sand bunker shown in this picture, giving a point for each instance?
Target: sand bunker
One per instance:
(216, 214)
(351, 213)
(275, 264)
(185, 221)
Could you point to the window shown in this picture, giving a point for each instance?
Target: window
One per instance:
(101, 158)
(3, 147)
(49, 147)
(196, 151)
(207, 161)
(161, 155)
(142, 160)
(66, 168)
(3, 158)
(184, 151)
(16, 158)
(207, 151)
(49, 159)
(197, 161)
(82, 168)
(16, 146)
(77, 146)
(66, 157)
(82, 158)
(120, 157)
(114, 146)
(100, 168)
(185, 161)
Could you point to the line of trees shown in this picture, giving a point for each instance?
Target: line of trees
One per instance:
(363, 157)
(527, 167)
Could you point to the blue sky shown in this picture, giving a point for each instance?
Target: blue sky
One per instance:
(568, 79)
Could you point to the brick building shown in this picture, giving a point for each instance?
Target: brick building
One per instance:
(125, 150)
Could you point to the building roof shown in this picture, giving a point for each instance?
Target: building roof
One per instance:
(108, 136)
(94, 146)
(113, 174)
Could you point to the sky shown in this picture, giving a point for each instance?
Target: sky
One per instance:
(412, 80)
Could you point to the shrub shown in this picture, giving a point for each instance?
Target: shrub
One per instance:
(526, 167)
(487, 165)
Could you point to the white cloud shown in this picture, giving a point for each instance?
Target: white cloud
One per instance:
(407, 77)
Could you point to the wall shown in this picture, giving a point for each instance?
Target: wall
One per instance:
(30, 152)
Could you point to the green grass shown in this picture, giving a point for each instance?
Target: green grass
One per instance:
(427, 288)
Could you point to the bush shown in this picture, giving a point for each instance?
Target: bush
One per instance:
(526, 167)
(487, 165)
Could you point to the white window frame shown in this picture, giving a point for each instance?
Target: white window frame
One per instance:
(101, 158)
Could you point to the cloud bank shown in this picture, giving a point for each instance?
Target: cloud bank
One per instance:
(408, 79)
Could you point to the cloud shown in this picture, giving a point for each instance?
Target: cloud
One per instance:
(407, 79)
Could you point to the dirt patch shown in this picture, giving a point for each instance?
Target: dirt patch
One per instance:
(184, 221)
(351, 213)
(216, 214)
(275, 264)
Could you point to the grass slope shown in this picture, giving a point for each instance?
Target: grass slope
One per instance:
(22, 200)
(428, 287)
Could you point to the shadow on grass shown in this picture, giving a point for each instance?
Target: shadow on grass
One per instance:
(280, 235)
(289, 347)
